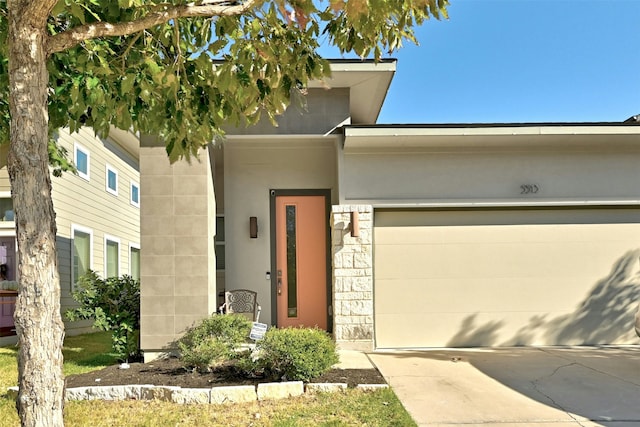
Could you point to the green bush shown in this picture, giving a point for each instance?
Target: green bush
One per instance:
(214, 340)
(296, 354)
(114, 305)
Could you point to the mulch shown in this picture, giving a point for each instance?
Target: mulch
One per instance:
(171, 372)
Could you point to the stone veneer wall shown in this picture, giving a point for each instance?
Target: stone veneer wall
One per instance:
(352, 262)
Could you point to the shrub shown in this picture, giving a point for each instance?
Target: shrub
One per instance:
(214, 340)
(114, 305)
(296, 354)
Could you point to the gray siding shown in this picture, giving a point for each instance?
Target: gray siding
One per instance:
(87, 204)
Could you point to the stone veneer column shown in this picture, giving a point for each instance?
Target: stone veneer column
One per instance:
(177, 227)
(352, 277)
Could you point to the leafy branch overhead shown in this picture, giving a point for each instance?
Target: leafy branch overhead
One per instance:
(183, 70)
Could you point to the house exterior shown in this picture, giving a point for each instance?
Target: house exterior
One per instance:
(398, 236)
(97, 216)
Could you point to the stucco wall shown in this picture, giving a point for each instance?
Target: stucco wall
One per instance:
(485, 176)
(252, 168)
(320, 112)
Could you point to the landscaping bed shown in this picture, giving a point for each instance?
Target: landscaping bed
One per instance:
(171, 372)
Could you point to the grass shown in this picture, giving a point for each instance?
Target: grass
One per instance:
(92, 351)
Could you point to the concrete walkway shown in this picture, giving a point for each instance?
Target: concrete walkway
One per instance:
(517, 386)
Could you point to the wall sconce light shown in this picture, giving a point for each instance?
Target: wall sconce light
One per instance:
(355, 224)
(253, 227)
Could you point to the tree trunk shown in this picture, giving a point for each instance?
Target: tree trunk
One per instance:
(38, 323)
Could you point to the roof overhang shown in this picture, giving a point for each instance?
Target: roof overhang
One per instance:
(127, 140)
(453, 137)
(368, 84)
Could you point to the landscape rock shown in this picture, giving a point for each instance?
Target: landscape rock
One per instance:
(233, 394)
(326, 387)
(186, 396)
(281, 390)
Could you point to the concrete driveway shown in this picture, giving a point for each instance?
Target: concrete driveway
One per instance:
(557, 387)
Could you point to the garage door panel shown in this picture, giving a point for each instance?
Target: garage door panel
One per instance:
(501, 260)
(420, 330)
(562, 282)
(470, 217)
(506, 233)
(466, 296)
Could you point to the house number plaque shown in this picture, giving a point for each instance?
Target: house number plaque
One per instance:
(529, 189)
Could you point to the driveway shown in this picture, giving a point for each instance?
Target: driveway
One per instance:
(582, 386)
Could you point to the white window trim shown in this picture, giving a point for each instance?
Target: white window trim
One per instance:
(77, 147)
(134, 203)
(74, 228)
(108, 238)
(133, 246)
(108, 168)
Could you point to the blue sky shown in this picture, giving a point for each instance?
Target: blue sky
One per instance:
(521, 61)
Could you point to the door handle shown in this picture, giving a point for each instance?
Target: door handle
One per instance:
(279, 282)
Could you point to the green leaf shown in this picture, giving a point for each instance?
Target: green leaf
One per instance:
(78, 12)
(126, 84)
(153, 66)
(92, 82)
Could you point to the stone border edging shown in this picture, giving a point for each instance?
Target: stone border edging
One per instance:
(215, 395)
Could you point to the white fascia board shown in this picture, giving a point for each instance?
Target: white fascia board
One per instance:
(377, 137)
(498, 203)
(349, 74)
(381, 131)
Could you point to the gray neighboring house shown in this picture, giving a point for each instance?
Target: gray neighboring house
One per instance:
(398, 236)
(97, 218)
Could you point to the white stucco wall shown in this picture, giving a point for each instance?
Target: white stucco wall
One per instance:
(414, 177)
(253, 167)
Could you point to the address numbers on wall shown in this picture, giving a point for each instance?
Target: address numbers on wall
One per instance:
(529, 189)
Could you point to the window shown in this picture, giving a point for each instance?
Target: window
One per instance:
(6, 206)
(81, 158)
(111, 178)
(292, 261)
(135, 194)
(134, 261)
(81, 242)
(111, 257)
(219, 240)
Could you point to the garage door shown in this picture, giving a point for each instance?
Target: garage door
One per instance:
(506, 277)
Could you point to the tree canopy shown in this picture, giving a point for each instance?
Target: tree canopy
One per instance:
(177, 70)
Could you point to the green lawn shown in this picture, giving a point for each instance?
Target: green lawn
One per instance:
(89, 352)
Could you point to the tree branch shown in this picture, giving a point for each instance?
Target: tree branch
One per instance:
(72, 37)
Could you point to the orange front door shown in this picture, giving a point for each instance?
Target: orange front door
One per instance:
(301, 261)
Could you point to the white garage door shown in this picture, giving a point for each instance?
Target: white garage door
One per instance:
(506, 277)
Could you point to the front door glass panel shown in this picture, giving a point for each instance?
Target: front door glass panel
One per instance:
(292, 282)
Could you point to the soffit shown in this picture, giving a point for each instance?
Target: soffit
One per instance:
(368, 83)
(127, 140)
